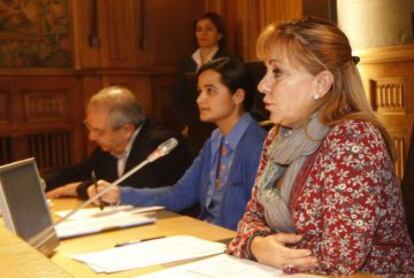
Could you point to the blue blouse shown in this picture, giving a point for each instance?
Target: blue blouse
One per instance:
(195, 185)
(215, 190)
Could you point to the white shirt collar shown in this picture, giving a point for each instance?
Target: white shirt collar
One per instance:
(197, 56)
(128, 148)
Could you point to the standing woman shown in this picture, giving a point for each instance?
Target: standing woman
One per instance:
(326, 199)
(210, 39)
(222, 175)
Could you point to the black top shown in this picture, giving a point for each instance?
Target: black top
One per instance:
(162, 172)
(407, 188)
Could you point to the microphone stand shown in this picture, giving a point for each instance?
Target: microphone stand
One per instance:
(162, 150)
(97, 196)
(48, 229)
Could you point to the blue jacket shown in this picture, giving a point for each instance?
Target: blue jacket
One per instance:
(193, 186)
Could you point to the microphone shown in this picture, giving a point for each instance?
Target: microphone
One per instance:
(162, 150)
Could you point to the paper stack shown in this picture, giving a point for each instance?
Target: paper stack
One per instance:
(90, 221)
(221, 266)
(148, 253)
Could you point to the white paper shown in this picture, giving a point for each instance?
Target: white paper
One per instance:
(222, 266)
(92, 225)
(148, 253)
(97, 212)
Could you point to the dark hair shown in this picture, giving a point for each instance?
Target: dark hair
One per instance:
(234, 75)
(217, 21)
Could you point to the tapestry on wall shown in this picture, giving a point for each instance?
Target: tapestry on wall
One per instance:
(35, 33)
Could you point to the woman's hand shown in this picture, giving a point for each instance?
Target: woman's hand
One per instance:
(271, 250)
(112, 196)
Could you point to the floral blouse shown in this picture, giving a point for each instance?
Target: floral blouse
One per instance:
(347, 204)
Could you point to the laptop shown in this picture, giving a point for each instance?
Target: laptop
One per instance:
(24, 207)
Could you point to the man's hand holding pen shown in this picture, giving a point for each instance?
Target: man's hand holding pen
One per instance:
(112, 196)
(95, 186)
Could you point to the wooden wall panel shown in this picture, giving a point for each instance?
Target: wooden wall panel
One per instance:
(248, 20)
(5, 150)
(244, 19)
(106, 34)
(51, 149)
(389, 94)
(42, 108)
(45, 106)
(388, 77)
(118, 33)
(133, 33)
(279, 10)
(171, 44)
(4, 106)
(400, 141)
(215, 6)
(162, 102)
(134, 43)
(86, 55)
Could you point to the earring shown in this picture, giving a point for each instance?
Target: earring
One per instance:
(315, 97)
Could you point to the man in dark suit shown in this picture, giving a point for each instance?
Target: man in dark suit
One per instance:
(125, 137)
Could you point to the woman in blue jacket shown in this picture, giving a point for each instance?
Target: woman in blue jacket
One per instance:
(221, 177)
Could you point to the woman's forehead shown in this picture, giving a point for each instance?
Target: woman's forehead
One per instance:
(209, 75)
(279, 53)
(205, 22)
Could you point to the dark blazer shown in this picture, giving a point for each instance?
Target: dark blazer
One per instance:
(185, 92)
(162, 172)
(185, 107)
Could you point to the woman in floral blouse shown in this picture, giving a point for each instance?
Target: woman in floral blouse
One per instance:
(326, 199)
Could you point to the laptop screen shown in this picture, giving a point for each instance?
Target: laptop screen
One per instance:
(23, 204)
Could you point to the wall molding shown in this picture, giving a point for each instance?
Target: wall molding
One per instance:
(397, 53)
(388, 94)
(400, 144)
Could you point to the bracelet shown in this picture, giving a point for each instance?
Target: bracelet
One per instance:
(250, 240)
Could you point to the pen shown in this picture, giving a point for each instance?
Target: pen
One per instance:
(94, 181)
(137, 241)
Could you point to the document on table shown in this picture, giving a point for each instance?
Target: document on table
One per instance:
(148, 253)
(91, 225)
(97, 212)
(222, 266)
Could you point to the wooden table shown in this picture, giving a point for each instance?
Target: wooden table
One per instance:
(19, 259)
(167, 224)
(14, 253)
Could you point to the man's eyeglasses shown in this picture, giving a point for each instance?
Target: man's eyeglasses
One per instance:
(98, 131)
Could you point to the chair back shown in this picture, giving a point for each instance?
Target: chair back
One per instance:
(257, 71)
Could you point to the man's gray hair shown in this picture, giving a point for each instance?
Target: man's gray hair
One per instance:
(121, 104)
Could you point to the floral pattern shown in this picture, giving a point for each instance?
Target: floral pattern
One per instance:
(346, 203)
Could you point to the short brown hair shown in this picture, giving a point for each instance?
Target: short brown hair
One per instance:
(121, 104)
